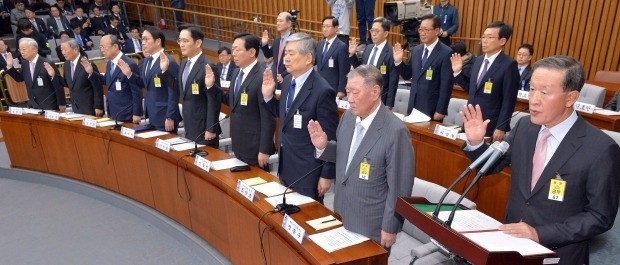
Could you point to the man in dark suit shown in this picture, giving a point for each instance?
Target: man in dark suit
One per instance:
(494, 79)
(99, 22)
(564, 183)
(124, 97)
(102, 7)
(429, 69)
(524, 56)
(133, 44)
(201, 110)
(57, 22)
(114, 29)
(85, 43)
(305, 96)
(332, 61)
(85, 89)
(5, 16)
(380, 54)
(283, 25)
(37, 23)
(64, 8)
(43, 85)
(613, 103)
(162, 98)
(25, 29)
(251, 125)
(81, 20)
(4, 54)
(368, 134)
(225, 66)
(116, 12)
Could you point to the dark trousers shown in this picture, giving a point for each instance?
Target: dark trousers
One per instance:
(365, 14)
(344, 38)
(445, 40)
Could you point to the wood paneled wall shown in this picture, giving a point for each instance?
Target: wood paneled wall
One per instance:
(587, 30)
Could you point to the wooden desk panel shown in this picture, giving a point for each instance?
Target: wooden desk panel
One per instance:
(216, 211)
(60, 152)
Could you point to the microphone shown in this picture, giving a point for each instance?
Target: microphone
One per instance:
(285, 208)
(40, 105)
(513, 115)
(116, 125)
(197, 152)
(473, 165)
(500, 150)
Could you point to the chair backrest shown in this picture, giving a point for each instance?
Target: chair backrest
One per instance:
(516, 117)
(96, 41)
(607, 76)
(17, 90)
(453, 117)
(592, 94)
(94, 53)
(401, 101)
(613, 135)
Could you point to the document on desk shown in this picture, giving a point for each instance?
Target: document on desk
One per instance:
(417, 116)
(498, 241)
(606, 112)
(178, 140)
(271, 189)
(336, 239)
(254, 181)
(106, 123)
(71, 115)
(185, 146)
(31, 111)
(227, 163)
(470, 221)
(151, 134)
(324, 222)
(291, 198)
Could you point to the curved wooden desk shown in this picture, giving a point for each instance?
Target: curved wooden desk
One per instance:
(204, 202)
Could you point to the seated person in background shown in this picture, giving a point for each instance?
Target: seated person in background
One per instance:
(25, 30)
(40, 7)
(4, 54)
(81, 37)
(37, 23)
(225, 66)
(460, 48)
(18, 12)
(116, 12)
(102, 7)
(65, 35)
(99, 22)
(524, 56)
(64, 7)
(613, 103)
(134, 44)
(82, 20)
(57, 22)
(114, 25)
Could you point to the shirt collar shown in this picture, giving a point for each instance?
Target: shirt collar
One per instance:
(560, 130)
(155, 56)
(331, 41)
(76, 60)
(381, 45)
(286, 35)
(118, 57)
(368, 120)
(36, 58)
(193, 59)
(432, 46)
(492, 57)
(250, 66)
(300, 80)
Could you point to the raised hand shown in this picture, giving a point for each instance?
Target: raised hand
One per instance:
(49, 69)
(124, 66)
(265, 38)
(87, 66)
(164, 63)
(9, 60)
(209, 76)
(474, 126)
(317, 135)
(398, 53)
(352, 46)
(457, 62)
(269, 85)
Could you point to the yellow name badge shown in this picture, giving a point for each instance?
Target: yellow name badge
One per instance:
(364, 170)
(488, 87)
(157, 81)
(429, 74)
(244, 99)
(383, 69)
(557, 188)
(195, 90)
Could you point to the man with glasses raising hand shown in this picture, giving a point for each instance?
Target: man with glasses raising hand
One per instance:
(494, 80)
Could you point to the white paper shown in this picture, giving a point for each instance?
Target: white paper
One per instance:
(498, 241)
(177, 140)
(291, 198)
(31, 111)
(400, 116)
(151, 134)
(106, 123)
(324, 222)
(71, 115)
(470, 220)
(271, 189)
(417, 116)
(185, 146)
(336, 239)
(227, 163)
(606, 112)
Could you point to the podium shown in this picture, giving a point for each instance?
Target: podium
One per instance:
(455, 241)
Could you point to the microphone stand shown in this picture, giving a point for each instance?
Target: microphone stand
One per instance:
(196, 151)
(116, 125)
(285, 208)
(40, 105)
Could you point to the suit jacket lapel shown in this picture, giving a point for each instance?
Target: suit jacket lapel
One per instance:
(198, 66)
(568, 147)
(303, 93)
(530, 146)
(431, 58)
(492, 69)
(371, 137)
(329, 52)
(232, 96)
(76, 71)
(384, 53)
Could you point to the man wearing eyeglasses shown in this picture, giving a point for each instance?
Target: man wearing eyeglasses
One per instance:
(494, 80)
(429, 69)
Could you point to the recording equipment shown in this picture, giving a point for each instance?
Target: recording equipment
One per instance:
(407, 13)
(196, 151)
(285, 208)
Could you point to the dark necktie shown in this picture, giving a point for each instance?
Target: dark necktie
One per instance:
(186, 72)
(484, 71)
(291, 96)
(424, 58)
(238, 84)
(149, 60)
(374, 54)
(325, 49)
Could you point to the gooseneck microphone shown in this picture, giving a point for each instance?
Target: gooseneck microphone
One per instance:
(196, 151)
(41, 103)
(285, 208)
(116, 125)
